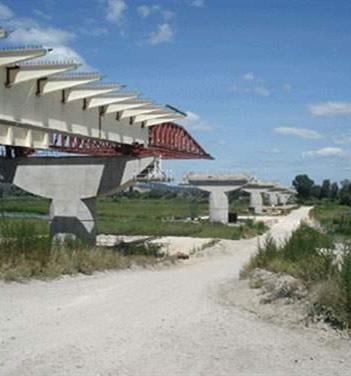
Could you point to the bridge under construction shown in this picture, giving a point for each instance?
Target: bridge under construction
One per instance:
(98, 136)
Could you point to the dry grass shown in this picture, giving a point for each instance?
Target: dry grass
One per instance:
(328, 280)
(26, 252)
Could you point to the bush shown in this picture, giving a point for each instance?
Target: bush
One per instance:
(309, 256)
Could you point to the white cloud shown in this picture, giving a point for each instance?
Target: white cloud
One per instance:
(198, 3)
(326, 152)
(67, 53)
(115, 10)
(330, 108)
(194, 122)
(5, 12)
(164, 33)
(145, 11)
(47, 36)
(257, 90)
(27, 31)
(248, 76)
(299, 132)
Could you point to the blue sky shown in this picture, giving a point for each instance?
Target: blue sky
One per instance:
(266, 83)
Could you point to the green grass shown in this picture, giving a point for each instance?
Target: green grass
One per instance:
(334, 218)
(301, 257)
(26, 251)
(137, 216)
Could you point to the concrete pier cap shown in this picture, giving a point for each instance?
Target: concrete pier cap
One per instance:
(279, 195)
(218, 186)
(72, 184)
(256, 188)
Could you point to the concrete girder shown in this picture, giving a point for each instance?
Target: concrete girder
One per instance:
(52, 84)
(23, 137)
(125, 105)
(72, 184)
(21, 73)
(82, 92)
(12, 56)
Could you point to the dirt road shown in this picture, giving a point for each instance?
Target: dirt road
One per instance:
(166, 322)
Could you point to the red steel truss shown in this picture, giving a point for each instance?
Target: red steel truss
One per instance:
(169, 140)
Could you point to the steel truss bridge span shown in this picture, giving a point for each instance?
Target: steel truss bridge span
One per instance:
(167, 140)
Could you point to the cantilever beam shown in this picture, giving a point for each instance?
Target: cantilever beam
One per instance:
(126, 105)
(62, 82)
(17, 74)
(84, 92)
(13, 56)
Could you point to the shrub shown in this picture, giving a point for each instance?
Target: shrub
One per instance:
(309, 256)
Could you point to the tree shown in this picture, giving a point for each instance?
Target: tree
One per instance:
(303, 185)
(316, 191)
(325, 189)
(334, 191)
(345, 192)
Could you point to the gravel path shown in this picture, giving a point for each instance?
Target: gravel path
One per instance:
(165, 322)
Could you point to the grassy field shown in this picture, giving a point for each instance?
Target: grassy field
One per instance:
(137, 216)
(335, 219)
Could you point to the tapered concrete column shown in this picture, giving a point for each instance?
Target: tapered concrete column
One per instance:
(73, 217)
(273, 198)
(283, 199)
(256, 202)
(218, 186)
(219, 206)
(72, 184)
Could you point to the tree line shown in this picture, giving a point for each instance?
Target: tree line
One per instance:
(307, 190)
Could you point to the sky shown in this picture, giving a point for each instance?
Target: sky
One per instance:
(266, 84)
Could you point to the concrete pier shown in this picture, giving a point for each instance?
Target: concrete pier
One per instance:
(273, 198)
(256, 202)
(72, 184)
(218, 186)
(256, 188)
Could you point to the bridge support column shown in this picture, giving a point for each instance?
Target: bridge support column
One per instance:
(72, 184)
(273, 198)
(283, 199)
(256, 202)
(73, 218)
(219, 206)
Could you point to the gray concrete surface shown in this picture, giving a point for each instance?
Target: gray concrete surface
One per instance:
(163, 322)
(218, 186)
(72, 184)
